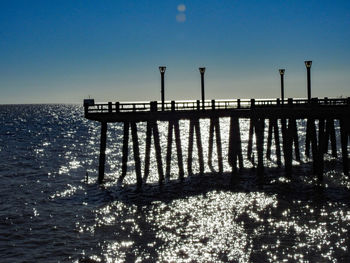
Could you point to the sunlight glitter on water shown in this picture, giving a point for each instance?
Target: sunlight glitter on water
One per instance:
(202, 219)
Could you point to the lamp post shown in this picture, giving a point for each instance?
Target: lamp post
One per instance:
(202, 70)
(308, 68)
(162, 71)
(282, 84)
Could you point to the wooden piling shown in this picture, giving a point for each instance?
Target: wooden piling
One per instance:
(211, 143)
(308, 138)
(179, 149)
(147, 151)
(273, 128)
(259, 133)
(277, 142)
(135, 143)
(125, 152)
(250, 139)
(287, 135)
(320, 153)
(152, 127)
(218, 144)
(235, 145)
(169, 146)
(190, 148)
(215, 126)
(194, 126)
(269, 139)
(295, 138)
(314, 145)
(311, 137)
(158, 151)
(199, 146)
(330, 136)
(174, 124)
(344, 136)
(101, 168)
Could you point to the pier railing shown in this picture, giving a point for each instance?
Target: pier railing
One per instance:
(121, 107)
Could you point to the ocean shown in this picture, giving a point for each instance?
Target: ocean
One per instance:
(52, 209)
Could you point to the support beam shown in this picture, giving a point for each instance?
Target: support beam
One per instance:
(147, 151)
(199, 146)
(273, 128)
(179, 149)
(174, 125)
(269, 139)
(259, 133)
(152, 127)
(235, 145)
(194, 126)
(287, 135)
(314, 144)
(215, 127)
(277, 142)
(169, 146)
(344, 135)
(158, 151)
(320, 152)
(101, 168)
(330, 136)
(135, 143)
(125, 152)
(218, 144)
(250, 139)
(294, 130)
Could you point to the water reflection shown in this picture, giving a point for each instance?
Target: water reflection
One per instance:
(49, 213)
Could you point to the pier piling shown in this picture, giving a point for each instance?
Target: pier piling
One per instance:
(101, 169)
(215, 129)
(195, 127)
(235, 145)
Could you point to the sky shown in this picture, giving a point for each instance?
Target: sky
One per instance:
(64, 51)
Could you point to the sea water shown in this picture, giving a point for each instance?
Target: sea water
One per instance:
(52, 209)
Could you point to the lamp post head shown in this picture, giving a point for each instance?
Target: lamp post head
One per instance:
(162, 69)
(281, 71)
(308, 64)
(202, 70)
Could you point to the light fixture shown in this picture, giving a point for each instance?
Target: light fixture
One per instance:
(308, 63)
(162, 69)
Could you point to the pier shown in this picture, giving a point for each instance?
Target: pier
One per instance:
(277, 116)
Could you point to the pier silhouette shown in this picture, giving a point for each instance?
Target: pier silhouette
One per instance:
(279, 115)
(320, 115)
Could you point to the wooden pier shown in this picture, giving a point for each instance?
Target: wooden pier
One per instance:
(320, 115)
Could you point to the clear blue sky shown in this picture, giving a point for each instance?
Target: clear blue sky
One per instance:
(63, 51)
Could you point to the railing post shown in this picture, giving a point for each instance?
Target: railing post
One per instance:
(278, 102)
(198, 105)
(325, 100)
(238, 103)
(290, 101)
(252, 103)
(348, 101)
(153, 105)
(117, 107)
(109, 107)
(213, 104)
(172, 105)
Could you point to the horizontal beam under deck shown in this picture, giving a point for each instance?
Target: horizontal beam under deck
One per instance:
(278, 112)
